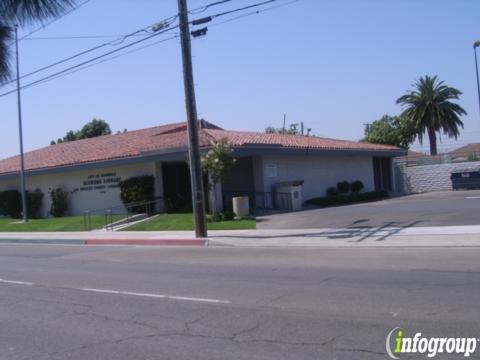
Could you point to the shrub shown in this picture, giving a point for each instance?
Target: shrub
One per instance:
(59, 205)
(356, 186)
(137, 189)
(348, 199)
(218, 161)
(343, 187)
(11, 203)
(473, 157)
(34, 203)
(228, 215)
(220, 216)
(332, 191)
(178, 205)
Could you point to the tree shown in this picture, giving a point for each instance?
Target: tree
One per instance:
(430, 110)
(217, 162)
(91, 129)
(94, 128)
(390, 130)
(293, 129)
(24, 12)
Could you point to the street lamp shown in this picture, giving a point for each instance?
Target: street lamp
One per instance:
(20, 133)
(475, 45)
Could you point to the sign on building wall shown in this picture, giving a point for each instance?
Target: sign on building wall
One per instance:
(271, 170)
(99, 182)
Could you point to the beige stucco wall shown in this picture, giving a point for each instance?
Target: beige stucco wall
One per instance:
(89, 189)
(319, 172)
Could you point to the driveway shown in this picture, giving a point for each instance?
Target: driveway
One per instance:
(430, 209)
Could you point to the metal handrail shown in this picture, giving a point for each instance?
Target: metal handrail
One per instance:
(108, 212)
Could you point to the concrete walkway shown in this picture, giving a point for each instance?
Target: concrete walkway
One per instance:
(440, 236)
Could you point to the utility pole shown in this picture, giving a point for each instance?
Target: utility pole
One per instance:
(20, 133)
(198, 198)
(475, 45)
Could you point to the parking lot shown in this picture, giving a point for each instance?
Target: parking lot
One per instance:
(429, 209)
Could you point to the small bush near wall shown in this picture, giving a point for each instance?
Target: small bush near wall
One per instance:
(137, 189)
(220, 216)
(348, 199)
(59, 205)
(34, 203)
(357, 186)
(11, 203)
(332, 191)
(343, 187)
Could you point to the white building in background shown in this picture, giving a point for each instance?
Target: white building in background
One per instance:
(91, 169)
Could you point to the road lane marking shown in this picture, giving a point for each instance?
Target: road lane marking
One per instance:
(127, 293)
(15, 282)
(472, 197)
(156, 296)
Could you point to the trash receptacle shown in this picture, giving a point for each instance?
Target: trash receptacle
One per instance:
(467, 179)
(241, 206)
(289, 195)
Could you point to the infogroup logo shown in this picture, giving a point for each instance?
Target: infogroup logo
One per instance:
(397, 343)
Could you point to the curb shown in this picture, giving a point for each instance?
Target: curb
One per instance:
(100, 241)
(43, 241)
(151, 242)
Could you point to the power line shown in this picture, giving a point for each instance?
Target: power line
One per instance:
(256, 12)
(115, 42)
(53, 20)
(193, 11)
(78, 37)
(88, 63)
(108, 59)
(164, 23)
(209, 18)
(206, 7)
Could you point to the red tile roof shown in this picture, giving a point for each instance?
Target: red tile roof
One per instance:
(243, 138)
(473, 148)
(171, 136)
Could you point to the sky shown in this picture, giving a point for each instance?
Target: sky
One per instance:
(333, 64)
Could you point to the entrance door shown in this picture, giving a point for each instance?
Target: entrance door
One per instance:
(176, 187)
(177, 190)
(382, 173)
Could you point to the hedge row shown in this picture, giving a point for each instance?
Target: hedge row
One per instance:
(349, 199)
(11, 203)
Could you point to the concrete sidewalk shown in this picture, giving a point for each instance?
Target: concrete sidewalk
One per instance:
(441, 236)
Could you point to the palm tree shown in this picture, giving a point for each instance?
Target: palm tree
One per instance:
(429, 109)
(24, 12)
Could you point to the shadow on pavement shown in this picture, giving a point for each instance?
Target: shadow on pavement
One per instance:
(353, 231)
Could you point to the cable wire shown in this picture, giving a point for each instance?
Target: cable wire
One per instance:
(206, 7)
(167, 22)
(53, 20)
(115, 42)
(108, 59)
(88, 63)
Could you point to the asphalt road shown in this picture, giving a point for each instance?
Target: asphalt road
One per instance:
(73, 302)
(430, 209)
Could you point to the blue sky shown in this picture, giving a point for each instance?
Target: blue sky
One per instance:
(333, 64)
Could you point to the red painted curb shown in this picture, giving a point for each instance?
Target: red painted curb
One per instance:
(153, 242)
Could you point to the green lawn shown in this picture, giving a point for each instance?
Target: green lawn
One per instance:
(185, 222)
(70, 223)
